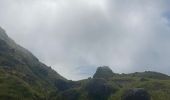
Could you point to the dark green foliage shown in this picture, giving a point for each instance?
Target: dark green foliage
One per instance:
(99, 89)
(136, 94)
(71, 94)
(63, 85)
(13, 88)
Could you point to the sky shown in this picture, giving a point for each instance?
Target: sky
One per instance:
(74, 37)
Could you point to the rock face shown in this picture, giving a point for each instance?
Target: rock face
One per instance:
(103, 72)
(136, 94)
(99, 89)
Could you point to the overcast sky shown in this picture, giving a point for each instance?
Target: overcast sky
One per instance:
(77, 36)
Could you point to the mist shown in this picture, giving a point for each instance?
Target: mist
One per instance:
(75, 37)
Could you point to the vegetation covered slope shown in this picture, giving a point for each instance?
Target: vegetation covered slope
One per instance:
(24, 77)
(112, 88)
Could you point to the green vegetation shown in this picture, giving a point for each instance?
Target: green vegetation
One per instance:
(24, 77)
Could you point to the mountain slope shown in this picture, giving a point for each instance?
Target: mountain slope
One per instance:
(24, 77)
(21, 67)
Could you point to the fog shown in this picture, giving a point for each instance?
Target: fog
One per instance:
(74, 37)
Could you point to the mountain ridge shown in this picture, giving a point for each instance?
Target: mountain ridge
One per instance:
(24, 77)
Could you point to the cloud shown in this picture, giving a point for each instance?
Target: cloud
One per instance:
(75, 37)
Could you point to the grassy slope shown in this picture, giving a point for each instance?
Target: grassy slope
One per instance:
(157, 84)
(159, 89)
(22, 75)
(14, 88)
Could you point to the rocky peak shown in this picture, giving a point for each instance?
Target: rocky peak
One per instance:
(103, 72)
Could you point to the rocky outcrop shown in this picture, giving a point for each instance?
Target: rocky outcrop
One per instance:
(99, 89)
(136, 94)
(103, 72)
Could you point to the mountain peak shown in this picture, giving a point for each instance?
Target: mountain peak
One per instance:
(103, 72)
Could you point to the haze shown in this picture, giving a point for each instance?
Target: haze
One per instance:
(76, 36)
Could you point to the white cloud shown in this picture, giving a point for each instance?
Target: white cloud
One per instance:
(77, 36)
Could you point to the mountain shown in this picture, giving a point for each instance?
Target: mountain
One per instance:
(103, 72)
(24, 77)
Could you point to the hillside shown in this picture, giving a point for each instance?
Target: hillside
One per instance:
(24, 77)
(112, 88)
